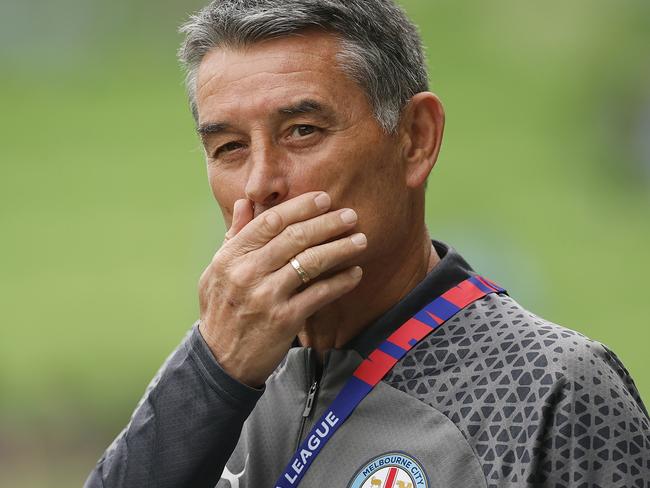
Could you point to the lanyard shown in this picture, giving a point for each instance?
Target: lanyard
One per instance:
(377, 365)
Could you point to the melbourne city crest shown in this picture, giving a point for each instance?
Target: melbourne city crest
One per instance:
(390, 470)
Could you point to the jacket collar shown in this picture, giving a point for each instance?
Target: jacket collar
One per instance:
(451, 270)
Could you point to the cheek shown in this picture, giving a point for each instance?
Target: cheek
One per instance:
(356, 171)
(225, 191)
(319, 170)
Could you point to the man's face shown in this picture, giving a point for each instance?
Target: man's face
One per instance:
(279, 119)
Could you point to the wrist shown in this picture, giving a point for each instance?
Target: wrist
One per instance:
(229, 361)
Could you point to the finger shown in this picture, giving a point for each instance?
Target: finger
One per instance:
(316, 296)
(242, 214)
(316, 260)
(271, 222)
(302, 235)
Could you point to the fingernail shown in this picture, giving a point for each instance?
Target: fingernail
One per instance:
(359, 239)
(349, 216)
(238, 208)
(323, 201)
(356, 272)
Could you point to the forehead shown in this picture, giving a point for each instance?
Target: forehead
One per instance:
(272, 73)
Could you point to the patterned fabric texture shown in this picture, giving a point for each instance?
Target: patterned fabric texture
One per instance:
(540, 405)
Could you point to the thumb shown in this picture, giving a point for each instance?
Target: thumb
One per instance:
(242, 214)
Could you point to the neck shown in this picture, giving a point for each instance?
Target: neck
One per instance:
(382, 286)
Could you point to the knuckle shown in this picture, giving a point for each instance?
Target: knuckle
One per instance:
(323, 292)
(297, 234)
(261, 295)
(242, 276)
(272, 222)
(219, 261)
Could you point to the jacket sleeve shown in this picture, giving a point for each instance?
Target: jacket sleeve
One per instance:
(597, 431)
(184, 428)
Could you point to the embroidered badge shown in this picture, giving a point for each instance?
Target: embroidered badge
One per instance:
(390, 470)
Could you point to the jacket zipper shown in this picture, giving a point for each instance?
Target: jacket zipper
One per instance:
(315, 375)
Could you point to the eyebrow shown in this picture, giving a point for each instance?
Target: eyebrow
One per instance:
(212, 128)
(307, 106)
(302, 107)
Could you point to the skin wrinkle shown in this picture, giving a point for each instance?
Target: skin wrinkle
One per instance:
(232, 107)
(284, 67)
(307, 110)
(279, 69)
(342, 124)
(228, 106)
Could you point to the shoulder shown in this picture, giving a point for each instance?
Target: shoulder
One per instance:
(521, 388)
(496, 341)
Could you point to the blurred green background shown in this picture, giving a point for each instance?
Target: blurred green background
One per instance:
(107, 220)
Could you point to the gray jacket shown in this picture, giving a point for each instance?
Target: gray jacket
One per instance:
(495, 397)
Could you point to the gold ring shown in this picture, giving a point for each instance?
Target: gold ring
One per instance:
(304, 277)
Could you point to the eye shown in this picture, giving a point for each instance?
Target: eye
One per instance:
(303, 130)
(228, 147)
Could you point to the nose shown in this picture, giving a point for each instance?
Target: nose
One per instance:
(267, 179)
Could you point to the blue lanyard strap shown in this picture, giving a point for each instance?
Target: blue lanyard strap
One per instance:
(377, 365)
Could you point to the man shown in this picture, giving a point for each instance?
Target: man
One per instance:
(319, 135)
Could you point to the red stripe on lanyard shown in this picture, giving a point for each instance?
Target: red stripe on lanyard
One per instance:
(412, 330)
(438, 320)
(464, 293)
(373, 369)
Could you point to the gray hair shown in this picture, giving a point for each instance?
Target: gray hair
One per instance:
(380, 47)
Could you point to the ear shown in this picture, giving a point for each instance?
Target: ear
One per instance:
(422, 125)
